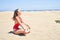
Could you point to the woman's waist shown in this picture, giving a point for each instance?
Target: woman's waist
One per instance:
(17, 24)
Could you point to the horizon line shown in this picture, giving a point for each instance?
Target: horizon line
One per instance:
(35, 10)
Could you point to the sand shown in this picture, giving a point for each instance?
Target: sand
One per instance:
(42, 23)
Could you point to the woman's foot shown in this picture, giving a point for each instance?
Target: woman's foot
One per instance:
(26, 32)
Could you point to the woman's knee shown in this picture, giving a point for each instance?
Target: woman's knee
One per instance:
(19, 31)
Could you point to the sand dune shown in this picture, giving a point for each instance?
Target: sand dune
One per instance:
(42, 23)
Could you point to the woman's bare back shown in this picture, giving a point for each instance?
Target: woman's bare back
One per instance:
(16, 21)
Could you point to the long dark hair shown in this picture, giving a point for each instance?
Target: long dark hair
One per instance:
(15, 14)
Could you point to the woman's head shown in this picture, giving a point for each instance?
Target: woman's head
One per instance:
(16, 13)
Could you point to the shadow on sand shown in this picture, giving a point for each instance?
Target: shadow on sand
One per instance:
(57, 21)
(15, 34)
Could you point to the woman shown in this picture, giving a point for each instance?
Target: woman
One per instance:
(18, 28)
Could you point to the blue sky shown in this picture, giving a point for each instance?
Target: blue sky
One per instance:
(29, 4)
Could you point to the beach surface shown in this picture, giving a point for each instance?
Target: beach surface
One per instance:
(43, 25)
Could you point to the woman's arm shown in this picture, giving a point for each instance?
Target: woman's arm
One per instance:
(26, 24)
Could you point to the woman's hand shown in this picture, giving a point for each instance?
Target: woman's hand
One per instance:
(28, 26)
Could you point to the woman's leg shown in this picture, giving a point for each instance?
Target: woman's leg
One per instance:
(19, 31)
(26, 32)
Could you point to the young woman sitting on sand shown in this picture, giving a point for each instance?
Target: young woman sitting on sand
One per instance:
(18, 28)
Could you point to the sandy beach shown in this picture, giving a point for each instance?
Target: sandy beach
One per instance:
(42, 23)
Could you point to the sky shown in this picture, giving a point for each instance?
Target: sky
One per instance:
(29, 4)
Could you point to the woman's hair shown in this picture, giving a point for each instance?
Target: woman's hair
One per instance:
(15, 14)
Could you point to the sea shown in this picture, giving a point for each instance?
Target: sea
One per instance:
(33, 10)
